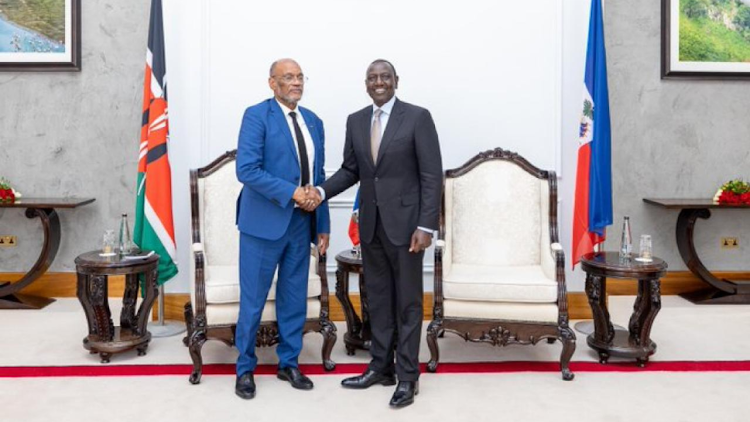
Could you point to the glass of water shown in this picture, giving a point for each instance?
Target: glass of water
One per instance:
(646, 251)
(108, 243)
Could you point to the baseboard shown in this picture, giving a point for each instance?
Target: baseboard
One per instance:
(64, 285)
(174, 304)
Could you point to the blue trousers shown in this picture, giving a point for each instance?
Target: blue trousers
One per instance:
(259, 259)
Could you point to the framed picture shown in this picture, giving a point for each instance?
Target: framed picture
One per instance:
(40, 35)
(705, 39)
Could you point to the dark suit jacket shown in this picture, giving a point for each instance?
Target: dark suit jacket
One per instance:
(406, 185)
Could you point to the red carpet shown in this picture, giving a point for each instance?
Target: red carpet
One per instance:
(351, 368)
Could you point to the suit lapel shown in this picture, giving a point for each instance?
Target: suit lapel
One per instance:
(317, 144)
(281, 121)
(394, 121)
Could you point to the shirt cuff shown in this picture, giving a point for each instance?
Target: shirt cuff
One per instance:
(322, 193)
(425, 229)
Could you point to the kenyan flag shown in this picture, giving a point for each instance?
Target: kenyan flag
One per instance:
(154, 227)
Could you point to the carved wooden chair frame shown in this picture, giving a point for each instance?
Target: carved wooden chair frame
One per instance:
(502, 332)
(198, 331)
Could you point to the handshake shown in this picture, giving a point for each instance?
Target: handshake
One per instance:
(307, 197)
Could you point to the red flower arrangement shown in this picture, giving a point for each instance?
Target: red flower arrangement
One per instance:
(7, 193)
(733, 192)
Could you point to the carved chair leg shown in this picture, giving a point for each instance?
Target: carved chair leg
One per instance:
(195, 344)
(329, 339)
(568, 339)
(433, 330)
(188, 322)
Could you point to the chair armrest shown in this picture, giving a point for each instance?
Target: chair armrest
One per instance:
(558, 254)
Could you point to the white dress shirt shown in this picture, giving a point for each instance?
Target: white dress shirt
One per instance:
(384, 115)
(305, 134)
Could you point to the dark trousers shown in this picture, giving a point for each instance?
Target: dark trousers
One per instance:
(393, 278)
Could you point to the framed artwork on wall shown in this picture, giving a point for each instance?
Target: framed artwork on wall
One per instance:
(40, 35)
(705, 39)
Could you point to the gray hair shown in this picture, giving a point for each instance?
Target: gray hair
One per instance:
(273, 65)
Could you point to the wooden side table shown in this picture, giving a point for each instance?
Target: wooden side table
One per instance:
(358, 333)
(93, 275)
(636, 342)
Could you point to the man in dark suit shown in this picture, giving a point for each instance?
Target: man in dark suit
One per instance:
(279, 155)
(392, 149)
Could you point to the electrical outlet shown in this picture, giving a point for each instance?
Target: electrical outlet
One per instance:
(8, 241)
(730, 243)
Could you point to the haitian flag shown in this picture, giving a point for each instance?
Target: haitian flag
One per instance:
(354, 222)
(154, 226)
(592, 211)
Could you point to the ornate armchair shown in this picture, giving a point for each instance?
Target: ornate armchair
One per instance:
(499, 269)
(215, 291)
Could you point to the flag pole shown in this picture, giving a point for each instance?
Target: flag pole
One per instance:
(154, 225)
(160, 327)
(592, 209)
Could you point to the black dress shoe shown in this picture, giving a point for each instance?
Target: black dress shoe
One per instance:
(405, 392)
(245, 386)
(295, 377)
(368, 379)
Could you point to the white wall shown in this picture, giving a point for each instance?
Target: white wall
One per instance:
(492, 74)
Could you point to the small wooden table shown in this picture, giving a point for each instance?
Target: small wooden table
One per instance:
(717, 291)
(606, 340)
(93, 274)
(44, 208)
(358, 333)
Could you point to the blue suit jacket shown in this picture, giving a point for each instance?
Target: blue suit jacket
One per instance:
(268, 167)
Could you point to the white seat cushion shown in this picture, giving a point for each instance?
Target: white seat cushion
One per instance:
(499, 284)
(528, 312)
(227, 314)
(223, 284)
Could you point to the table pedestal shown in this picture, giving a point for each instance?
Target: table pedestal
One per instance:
(358, 333)
(607, 341)
(93, 276)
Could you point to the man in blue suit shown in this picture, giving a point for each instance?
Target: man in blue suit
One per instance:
(279, 155)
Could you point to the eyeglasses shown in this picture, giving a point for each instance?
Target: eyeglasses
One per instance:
(289, 78)
(385, 77)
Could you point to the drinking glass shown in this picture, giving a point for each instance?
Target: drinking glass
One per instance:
(108, 243)
(646, 252)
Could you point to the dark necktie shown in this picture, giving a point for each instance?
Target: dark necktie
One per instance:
(304, 164)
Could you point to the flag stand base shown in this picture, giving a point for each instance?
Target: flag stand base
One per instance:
(165, 328)
(587, 327)
(161, 328)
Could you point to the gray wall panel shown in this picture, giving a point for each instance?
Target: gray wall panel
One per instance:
(65, 134)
